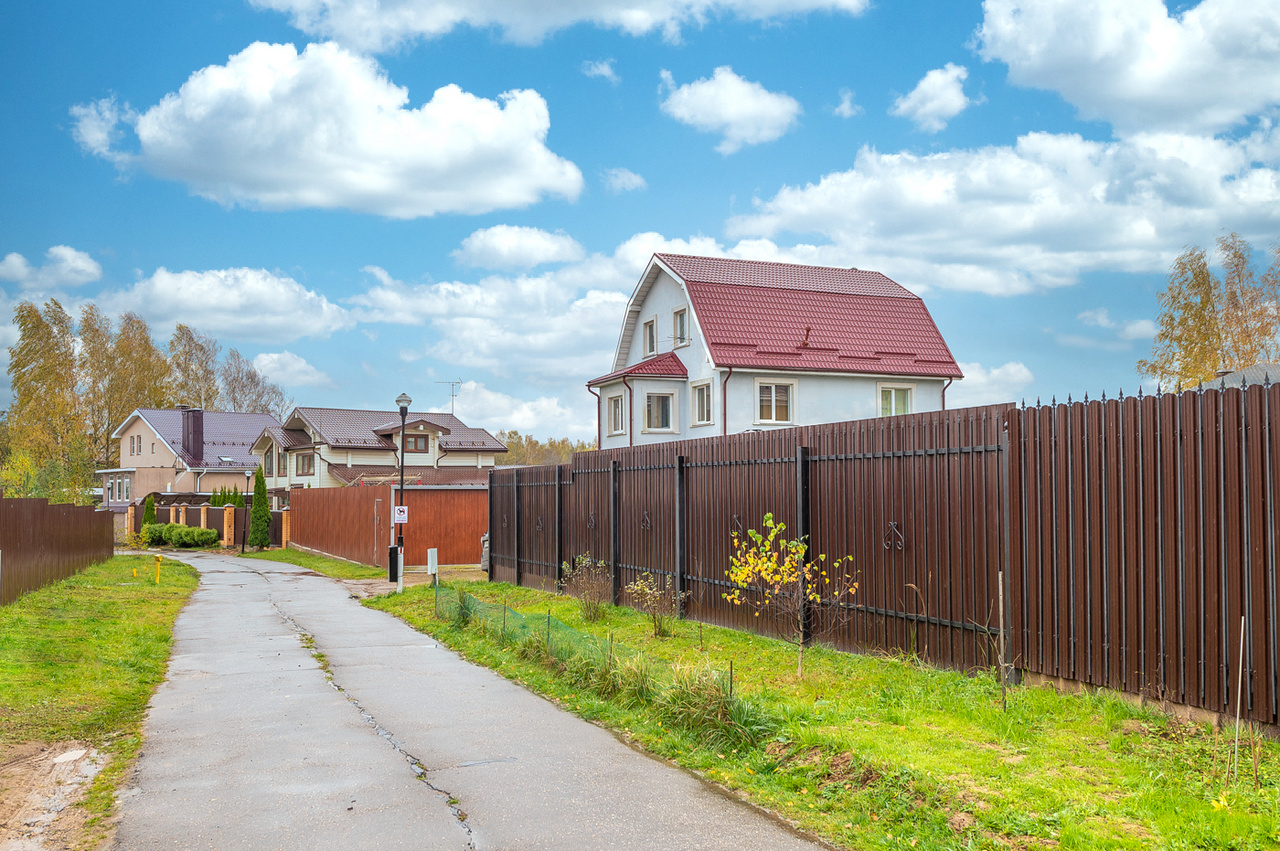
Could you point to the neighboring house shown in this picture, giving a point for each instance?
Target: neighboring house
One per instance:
(335, 447)
(1261, 373)
(718, 346)
(181, 450)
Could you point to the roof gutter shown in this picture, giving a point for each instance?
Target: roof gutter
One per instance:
(724, 402)
(631, 412)
(599, 416)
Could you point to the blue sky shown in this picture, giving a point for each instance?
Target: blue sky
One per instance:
(370, 196)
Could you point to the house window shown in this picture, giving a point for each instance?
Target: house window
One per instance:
(131, 444)
(657, 411)
(153, 447)
(266, 462)
(702, 404)
(680, 327)
(282, 463)
(125, 482)
(776, 402)
(650, 338)
(617, 419)
(895, 400)
(417, 443)
(306, 464)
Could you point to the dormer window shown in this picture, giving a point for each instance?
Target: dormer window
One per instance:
(650, 338)
(417, 443)
(680, 328)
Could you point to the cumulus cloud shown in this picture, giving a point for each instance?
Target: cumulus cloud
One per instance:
(511, 247)
(326, 128)
(743, 112)
(936, 99)
(1012, 219)
(290, 370)
(847, 108)
(618, 180)
(601, 68)
(64, 266)
(1136, 65)
(983, 386)
(385, 24)
(242, 304)
(1127, 330)
(477, 405)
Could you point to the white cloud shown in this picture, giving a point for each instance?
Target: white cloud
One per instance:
(981, 386)
(477, 405)
(1136, 65)
(280, 130)
(97, 127)
(936, 99)
(847, 108)
(601, 68)
(384, 24)
(64, 267)
(1129, 330)
(290, 370)
(1138, 329)
(512, 247)
(745, 113)
(623, 180)
(1011, 219)
(242, 304)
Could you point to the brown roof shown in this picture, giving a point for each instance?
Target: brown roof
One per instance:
(431, 477)
(345, 428)
(226, 435)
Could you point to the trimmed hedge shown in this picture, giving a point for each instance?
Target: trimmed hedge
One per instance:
(177, 535)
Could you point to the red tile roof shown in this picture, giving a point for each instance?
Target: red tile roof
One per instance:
(666, 365)
(791, 317)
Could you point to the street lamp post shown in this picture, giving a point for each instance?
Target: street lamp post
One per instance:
(248, 476)
(403, 402)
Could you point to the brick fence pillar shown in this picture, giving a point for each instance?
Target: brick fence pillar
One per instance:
(285, 529)
(182, 515)
(228, 526)
(204, 517)
(131, 513)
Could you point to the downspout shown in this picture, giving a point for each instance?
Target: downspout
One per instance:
(631, 413)
(599, 417)
(724, 402)
(944, 392)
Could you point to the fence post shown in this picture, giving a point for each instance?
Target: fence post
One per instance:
(492, 539)
(682, 533)
(802, 533)
(615, 543)
(515, 519)
(559, 527)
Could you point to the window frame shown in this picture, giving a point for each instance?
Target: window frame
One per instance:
(310, 465)
(894, 386)
(649, 337)
(412, 441)
(268, 462)
(622, 414)
(679, 340)
(773, 401)
(695, 421)
(672, 416)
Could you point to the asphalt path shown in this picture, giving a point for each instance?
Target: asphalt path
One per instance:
(250, 745)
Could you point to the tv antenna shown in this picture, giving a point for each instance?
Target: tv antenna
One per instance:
(453, 392)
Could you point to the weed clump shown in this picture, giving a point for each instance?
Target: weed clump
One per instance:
(658, 600)
(591, 582)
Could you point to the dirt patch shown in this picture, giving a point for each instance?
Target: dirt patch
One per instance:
(364, 588)
(40, 785)
(960, 822)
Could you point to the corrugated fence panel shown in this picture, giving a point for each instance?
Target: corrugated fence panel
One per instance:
(42, 543)
(351, 523)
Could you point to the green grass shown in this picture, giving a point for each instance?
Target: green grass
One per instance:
(321, 564)
(80, 659)
(875, 752)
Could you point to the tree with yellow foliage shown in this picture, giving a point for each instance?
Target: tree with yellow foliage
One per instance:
(1211, 323)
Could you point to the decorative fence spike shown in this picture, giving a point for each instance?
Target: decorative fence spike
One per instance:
(1086, 397)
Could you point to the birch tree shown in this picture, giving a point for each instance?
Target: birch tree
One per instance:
(244, 389)
(193, 368)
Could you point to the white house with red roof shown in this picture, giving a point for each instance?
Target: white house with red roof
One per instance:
(338, 447)
(719, 346)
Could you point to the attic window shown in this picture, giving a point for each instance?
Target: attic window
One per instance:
(650, 338)
(680, 327)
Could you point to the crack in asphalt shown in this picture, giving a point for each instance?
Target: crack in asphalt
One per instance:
(419, 770)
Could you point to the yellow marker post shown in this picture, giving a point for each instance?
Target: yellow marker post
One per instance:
(157, 570)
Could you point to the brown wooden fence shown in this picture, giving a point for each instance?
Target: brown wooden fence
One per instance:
(1135, 535)
(42, 543)
(355, 523)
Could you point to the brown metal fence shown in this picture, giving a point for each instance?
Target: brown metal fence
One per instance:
(915, 501)
(1143, 537)
(42, 543)
(1136, 535)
